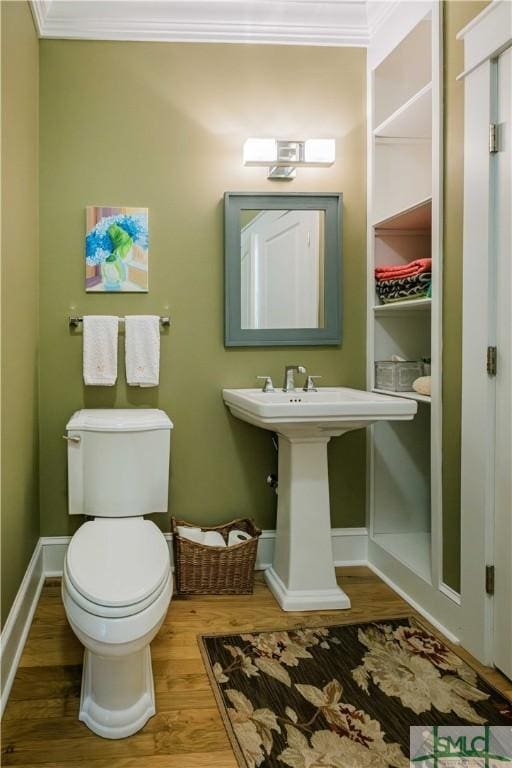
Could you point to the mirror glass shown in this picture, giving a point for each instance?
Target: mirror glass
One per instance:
(282, 268)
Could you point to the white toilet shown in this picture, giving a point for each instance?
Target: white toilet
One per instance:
(117, 581)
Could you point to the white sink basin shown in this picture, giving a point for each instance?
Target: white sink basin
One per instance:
(330, 411)
(302, 576)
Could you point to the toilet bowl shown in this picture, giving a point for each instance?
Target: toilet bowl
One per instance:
(117, 580)
(116, 589)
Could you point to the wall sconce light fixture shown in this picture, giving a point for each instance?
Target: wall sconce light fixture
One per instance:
(283, 157)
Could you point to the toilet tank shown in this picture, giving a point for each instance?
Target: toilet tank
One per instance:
(118, 462)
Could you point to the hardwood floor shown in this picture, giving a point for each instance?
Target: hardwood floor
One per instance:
(40, 725)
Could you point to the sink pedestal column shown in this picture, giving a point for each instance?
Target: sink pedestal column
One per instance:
(302, 576)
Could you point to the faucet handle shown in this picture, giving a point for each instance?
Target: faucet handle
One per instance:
(309, 386)
(267, 386)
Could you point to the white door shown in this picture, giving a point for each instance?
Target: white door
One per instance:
(503, 453)
(281, 270)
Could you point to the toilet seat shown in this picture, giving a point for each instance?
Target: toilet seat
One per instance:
(116, 567)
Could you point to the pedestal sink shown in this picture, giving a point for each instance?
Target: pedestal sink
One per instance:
(302, 576)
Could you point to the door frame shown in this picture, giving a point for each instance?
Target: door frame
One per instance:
(485, 38)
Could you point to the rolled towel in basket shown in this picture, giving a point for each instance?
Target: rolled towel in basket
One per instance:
(237, 536)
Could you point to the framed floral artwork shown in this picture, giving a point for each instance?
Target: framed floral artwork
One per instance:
(116, 249)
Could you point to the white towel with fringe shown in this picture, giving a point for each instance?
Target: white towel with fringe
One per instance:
(100, 350)
(142, 350)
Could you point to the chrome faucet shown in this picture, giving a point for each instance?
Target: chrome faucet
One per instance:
(289, 381)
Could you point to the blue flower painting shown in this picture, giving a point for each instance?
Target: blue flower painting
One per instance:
(116, 249)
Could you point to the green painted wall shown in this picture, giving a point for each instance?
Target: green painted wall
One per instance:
(162, 125)
(20, 295)
(456, 15)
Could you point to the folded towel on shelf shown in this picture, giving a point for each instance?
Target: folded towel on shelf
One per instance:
(401, 289)
(389, 271)
(100, 350)
(142, 350)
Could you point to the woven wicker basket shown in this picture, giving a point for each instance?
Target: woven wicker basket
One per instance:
(202, 570)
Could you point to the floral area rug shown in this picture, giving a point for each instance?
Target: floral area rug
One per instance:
(342, 696)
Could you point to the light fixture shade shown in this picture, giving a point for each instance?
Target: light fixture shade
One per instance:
(260, 151)
(321, 151)
(283, 156)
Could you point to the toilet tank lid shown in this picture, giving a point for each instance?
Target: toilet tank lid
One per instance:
(119, 420)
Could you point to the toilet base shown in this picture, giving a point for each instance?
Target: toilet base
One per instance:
(118, 695)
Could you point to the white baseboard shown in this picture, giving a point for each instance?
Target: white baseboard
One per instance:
(417, 607)
(19, 620)
(349, 547)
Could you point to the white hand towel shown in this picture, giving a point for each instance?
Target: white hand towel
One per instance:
(236, 537)
(142, 346)
(100, 350)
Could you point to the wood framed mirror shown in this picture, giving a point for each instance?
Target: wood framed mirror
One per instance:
(283, 260)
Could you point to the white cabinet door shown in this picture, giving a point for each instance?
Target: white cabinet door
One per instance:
(503, 460)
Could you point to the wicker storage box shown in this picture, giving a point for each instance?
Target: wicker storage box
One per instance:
(202, 570)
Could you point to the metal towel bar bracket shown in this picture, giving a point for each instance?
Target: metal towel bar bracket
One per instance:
(75, 320)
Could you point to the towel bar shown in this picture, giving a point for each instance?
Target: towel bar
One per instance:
(75, 320)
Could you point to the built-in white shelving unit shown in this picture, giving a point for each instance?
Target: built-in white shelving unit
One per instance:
(404, 224)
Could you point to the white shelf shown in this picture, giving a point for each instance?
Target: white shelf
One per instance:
(411, 120)
(413, 305)
(415, 216)
(412, 549)
(407, 395)
(406, 70)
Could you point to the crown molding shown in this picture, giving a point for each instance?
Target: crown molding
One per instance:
(377, 13)
(280, 22)
(39, 10)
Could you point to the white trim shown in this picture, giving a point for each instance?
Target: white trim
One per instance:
(285, 22)
(54, 552)
(19, 620)
(202, 32)
(349, 547)
(402, 17)
(487, 35)
(351, 23)
(378, 13)
(417, 607)
(449, 592)
(478, 389)
(436, 344)
(476, 21)
(39, 10)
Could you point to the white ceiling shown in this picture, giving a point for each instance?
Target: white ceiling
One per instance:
(292, 22)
